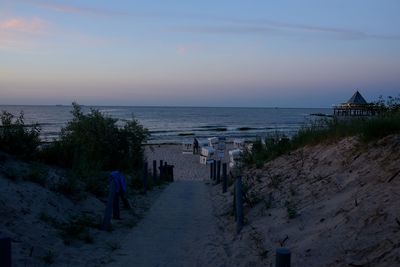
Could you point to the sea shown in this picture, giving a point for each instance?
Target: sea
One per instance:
(178, 124)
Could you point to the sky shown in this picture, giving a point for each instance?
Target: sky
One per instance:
(248, 53)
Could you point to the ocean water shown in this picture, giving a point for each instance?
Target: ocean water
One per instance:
(176, 124)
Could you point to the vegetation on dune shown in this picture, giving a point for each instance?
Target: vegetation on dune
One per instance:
(328, 130)
(94, 142)
(89, 145)
(17, 138)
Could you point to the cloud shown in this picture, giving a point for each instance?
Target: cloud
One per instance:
(71, 9)
(184, 49)
(21, 34)
(34, 25)
(236, 29)
(268, 27)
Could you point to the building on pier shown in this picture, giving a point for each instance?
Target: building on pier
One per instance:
(356, 106)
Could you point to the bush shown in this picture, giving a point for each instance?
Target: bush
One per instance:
(16, 138)
(93, 142)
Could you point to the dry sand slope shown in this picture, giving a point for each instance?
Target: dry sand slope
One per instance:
(332, 205)
(39, 220)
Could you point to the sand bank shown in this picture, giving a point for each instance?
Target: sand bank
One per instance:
(332, 205)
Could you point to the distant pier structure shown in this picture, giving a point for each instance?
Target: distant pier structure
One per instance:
(356, 106)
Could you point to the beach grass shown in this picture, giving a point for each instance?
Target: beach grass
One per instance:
(367, 129)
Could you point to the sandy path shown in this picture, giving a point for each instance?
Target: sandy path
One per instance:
(179, 230)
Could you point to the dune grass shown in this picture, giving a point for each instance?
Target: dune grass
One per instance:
(326, 130)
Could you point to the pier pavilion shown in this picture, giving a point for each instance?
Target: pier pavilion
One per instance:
(356, 106)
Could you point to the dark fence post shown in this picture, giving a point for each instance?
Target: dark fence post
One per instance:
(145, 176)
(282, 257)
(234, 201)
(161, 171)
(214, 169)
(218, 171)
(106, 224)
(224, 178)
(5, 252)
(211, 170)
(172, 173)
(239, 205)
(155, 171)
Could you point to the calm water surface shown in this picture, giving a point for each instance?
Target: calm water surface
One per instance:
(175, 124)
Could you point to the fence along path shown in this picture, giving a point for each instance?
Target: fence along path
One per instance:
(178, 230)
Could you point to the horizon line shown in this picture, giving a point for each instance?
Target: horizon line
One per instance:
(160, 106)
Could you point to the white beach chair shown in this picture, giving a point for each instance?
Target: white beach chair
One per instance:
(213, 141)
(238, 143)
(207, 155)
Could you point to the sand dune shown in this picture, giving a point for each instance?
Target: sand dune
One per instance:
(343, 199)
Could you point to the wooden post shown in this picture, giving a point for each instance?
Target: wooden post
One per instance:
(155, 171)
(224, 178)
(234, 201)
(282, 257)
(214, 169)
(211, 170)
(145, 176)
(239, 205)
(161, 171)
(172, 173)
(106, 225)
(218, 171)
(5, 252)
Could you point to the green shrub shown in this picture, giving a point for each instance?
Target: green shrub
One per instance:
(94, 142)
(16, 138)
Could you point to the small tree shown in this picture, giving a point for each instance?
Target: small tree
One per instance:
(16, 138)
(93, 142)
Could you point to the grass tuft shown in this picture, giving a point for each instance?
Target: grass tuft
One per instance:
(325, 130)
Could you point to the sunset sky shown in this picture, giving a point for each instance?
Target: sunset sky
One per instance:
(309, 53)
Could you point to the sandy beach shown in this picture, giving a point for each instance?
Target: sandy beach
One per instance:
(187, 166)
